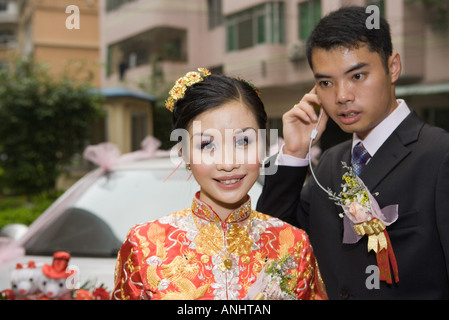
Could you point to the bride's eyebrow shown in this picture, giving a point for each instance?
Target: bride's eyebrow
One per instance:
(236, 131)
(244, 130)
(201, 134)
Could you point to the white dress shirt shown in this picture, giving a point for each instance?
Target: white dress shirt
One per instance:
(372, 142)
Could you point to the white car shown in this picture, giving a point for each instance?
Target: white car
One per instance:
(91, 219)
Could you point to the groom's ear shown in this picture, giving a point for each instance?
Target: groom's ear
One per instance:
(395, 67)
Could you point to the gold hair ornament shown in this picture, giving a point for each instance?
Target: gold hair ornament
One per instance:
(181, 85)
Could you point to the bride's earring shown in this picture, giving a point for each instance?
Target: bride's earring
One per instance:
(188, 167)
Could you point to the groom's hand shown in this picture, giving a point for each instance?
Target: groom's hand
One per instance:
(299, 123)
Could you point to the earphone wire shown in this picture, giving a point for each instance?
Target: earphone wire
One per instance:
(312, 138)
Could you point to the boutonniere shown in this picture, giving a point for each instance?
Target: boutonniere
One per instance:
(363, 216)
(273, 281)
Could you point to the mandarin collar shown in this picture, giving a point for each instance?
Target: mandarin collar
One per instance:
(204, 211)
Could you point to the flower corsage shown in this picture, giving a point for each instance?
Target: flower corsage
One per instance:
(272, 281)
(363, 216)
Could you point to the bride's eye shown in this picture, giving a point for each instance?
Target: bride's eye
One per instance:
(241, 142)
(207, 145)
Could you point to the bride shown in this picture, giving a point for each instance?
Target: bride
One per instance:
(218, 248)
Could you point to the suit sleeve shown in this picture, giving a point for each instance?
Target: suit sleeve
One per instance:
(442, 207)
(281, 193)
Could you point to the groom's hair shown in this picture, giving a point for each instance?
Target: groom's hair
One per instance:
(347, 27)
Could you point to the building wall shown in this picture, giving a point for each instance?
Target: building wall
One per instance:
(43, 33)
(9, 19)
(282, 82)
(119, 118)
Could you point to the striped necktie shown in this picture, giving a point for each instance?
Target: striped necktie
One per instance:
(359, 158)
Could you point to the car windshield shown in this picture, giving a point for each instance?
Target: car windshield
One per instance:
(97, 223)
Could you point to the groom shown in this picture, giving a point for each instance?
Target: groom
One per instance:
(406, 162)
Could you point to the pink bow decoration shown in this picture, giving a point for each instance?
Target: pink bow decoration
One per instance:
(107, 155)
(9, 250)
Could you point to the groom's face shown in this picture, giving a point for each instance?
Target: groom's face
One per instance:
(354, 87)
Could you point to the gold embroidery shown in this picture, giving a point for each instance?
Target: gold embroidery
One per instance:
(143, 244)
(122, 291)
(262, 261)
(161, 251)
(153, 279)
(204, 258)
(209, 240)
(179, 271)
(179, 266)
(129, 261)
(155, 232)
(238, 240)
(118, 264)
(188, 291)
(257, 268)
(175, 271)
(292, 282)
(298, 250)
(286, 241)
(260, 216)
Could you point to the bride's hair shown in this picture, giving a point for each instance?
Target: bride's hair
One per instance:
(214, 91)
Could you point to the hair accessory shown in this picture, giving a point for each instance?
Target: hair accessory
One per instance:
(181, 85)
(252, 86)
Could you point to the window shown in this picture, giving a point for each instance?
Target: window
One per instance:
(246, 32)
(261, 27)
(214, 13)
(158, 44)
(139, 129)
(115, 4)
(258, 25)
(4, 5)
(438, 117)
(7, 36)
(78, 231)
(309, 15)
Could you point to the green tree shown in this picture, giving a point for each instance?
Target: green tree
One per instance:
(45, 120)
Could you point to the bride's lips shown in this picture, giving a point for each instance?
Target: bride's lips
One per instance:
(349, 117)
(230, 182)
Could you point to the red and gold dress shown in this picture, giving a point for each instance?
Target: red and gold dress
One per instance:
(192, 254)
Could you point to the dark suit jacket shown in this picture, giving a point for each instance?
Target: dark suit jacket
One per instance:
(410, 169)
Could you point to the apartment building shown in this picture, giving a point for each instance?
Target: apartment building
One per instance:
(263, 41)
(65, 36)
(46, 32)
(9, 19)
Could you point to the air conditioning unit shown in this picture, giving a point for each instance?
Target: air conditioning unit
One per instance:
(296, 51)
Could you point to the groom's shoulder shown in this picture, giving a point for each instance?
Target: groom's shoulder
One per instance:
(337, 150)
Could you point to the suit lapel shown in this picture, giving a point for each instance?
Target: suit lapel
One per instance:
(343, 154)
(392, 152)
(383, 162)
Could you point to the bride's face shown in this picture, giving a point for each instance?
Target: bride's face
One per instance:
(224, 155)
